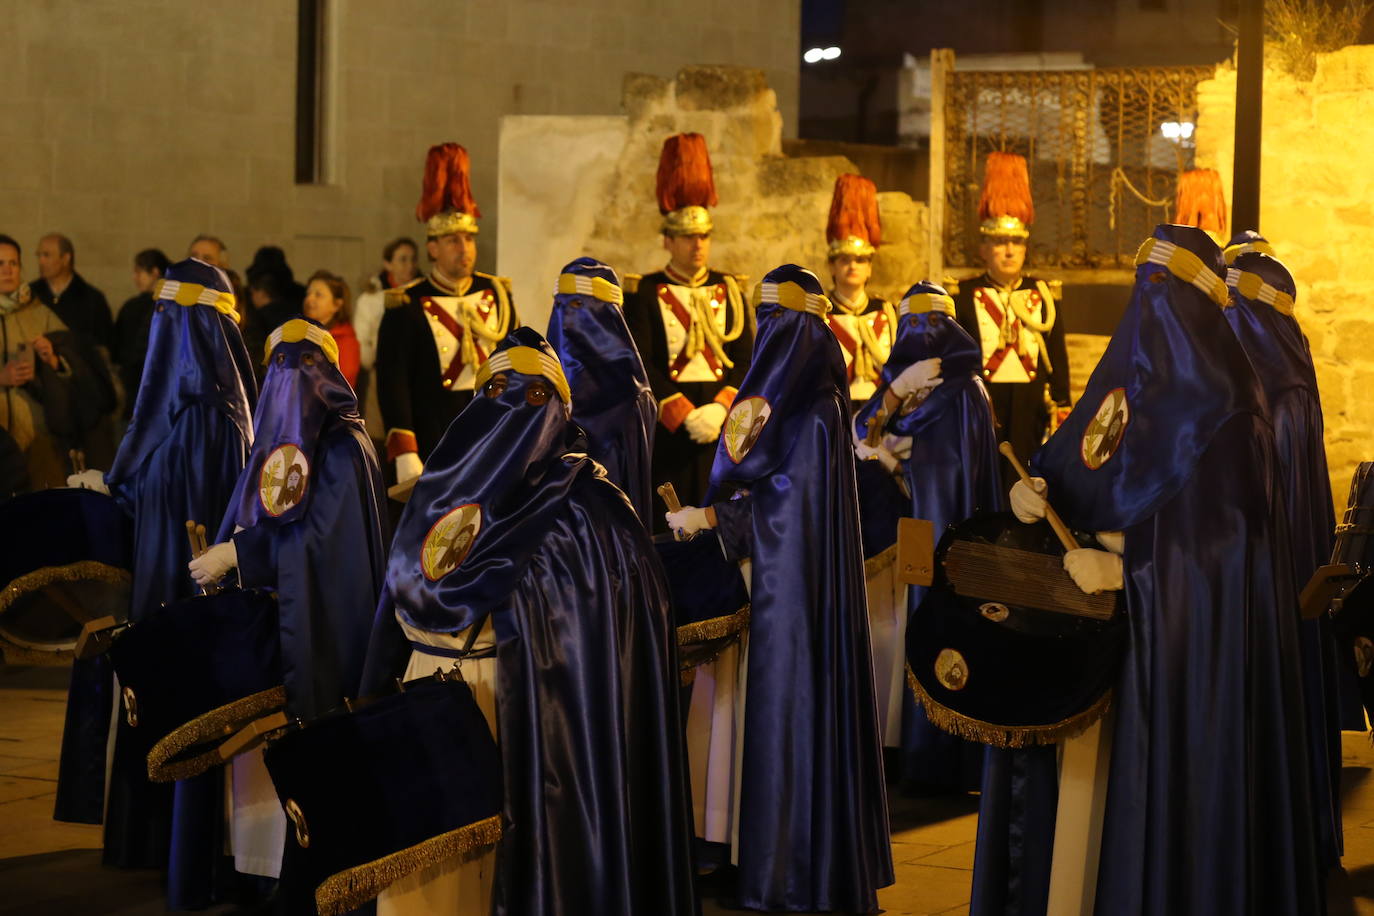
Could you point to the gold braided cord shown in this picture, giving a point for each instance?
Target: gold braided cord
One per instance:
(214, 725)
(352, 887)
(298, 329)
(596, 287)
(921, 303)
(870, 354)
(946, 719)
(476, 326)
(1252, 286)
(1231, 252)
(1184, 265)
(196, 294)
(526, 361)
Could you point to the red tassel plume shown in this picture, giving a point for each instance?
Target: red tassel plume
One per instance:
(1006, 188)
(1200, 201)
(684, 174)
(446, 183)
(854, 211)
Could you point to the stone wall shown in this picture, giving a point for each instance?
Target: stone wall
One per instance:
(772, 208)
(1316, 210)
(134, 124)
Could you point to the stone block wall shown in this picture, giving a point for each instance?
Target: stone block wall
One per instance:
(1316, 210)
(134, 124)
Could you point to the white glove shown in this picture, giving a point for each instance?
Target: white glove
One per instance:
(89, 480)
(1115, 541)
(210, 567)
(925, 374)
(686, 522)
(1094, 570)
(899, 446)
(704, 423)
(878, 453)
(408, 466)
(1029, 505)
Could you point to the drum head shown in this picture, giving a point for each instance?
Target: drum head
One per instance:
(1007, 674)
(72, 565)
(710, 602)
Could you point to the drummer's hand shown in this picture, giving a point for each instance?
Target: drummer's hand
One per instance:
(1029, 504)
(923, 374)
(89, 480)
(211, 566)
(408, 467)
(686, 522)
(1094, 570)
(864, 452)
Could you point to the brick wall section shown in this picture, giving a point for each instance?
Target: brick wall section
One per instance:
(129, 124)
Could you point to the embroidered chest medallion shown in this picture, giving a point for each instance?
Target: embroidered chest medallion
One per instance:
(1107, 429)
(281, 484)
(449, 540)
(743, 426)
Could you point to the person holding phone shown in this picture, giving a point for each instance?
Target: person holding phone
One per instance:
(25, 351)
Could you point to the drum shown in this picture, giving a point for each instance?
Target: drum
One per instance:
(378, 791)
(194, 672)
(882, 502)
(710, 601)
(1352, 556)
(1012, 673)
(69, 563)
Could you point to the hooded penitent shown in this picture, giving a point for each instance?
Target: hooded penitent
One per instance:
(179, 460)
(952, 473)
(307, 517)
(813, 829)
(611, 398)
(1262, 317)
(1171, 444)
(512, 522)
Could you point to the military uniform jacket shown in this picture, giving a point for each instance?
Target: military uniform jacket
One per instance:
(429, 346)
(690, 365)
(1019, 357)
(865, 330)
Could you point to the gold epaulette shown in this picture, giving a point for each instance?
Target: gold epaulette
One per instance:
(495, 280)
(396, 296)
(630, 283)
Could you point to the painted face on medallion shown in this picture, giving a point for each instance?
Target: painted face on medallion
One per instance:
(448, 542)
(284, 476)
(1108, 427)
(744, 425)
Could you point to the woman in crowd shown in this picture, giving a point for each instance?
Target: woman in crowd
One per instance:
(327, 302)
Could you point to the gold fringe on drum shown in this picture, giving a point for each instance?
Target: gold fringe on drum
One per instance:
(946, 719)
(213, 726)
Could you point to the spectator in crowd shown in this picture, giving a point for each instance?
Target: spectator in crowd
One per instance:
(135, 318)
(36, 375)
(400, 265)
(80, 305)
(269, 259)
(209, 249)
(327, 302)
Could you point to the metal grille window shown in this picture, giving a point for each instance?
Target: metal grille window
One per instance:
(1104, 148)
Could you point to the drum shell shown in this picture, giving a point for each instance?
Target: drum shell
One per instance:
(197, 656)
(1355, 532)
(1030, 677)
(70, 556)
(413, 769)
(881, 505)
(710, 601)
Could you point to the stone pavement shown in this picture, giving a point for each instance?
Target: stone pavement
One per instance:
(51, 868)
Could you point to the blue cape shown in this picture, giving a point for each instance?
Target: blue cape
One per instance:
(813, 811)
(596, 807)
(611, 398)
(952, 474)
(1278, 349)
(1183, 375)
(320, 543)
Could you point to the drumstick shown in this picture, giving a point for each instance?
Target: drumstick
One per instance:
(191, 536)
(875, 431)
(669, 494)
(200, 537)
(1065, 537)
